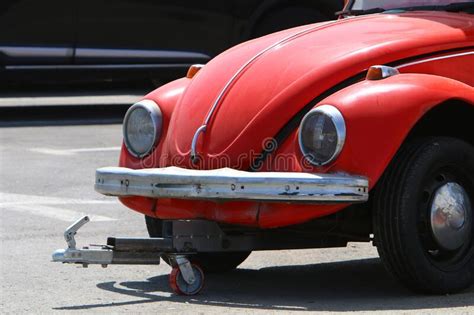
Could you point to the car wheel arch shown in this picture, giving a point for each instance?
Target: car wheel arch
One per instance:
(428, 127)
(455, 118)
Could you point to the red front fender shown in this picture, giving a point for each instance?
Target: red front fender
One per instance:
(380, 114)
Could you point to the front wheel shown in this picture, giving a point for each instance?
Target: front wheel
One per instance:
(423, 215)
(209, 262)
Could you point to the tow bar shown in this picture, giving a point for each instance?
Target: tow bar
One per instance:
(186, 278)
(183, 241)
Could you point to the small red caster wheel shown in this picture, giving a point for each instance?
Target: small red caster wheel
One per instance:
(181, 287)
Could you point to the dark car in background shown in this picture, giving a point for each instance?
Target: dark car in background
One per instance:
(88, 40)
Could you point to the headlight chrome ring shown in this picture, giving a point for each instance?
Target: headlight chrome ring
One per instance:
(142, 127)
(322, 135)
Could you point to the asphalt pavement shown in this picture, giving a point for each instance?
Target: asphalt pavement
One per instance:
(47, 176)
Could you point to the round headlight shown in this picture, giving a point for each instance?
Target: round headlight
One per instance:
(142, 127)
(322, 135)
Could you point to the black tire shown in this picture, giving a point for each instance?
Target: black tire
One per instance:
(402, 210)
(209, 262)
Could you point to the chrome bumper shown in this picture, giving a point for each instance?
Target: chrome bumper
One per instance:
(230, 184)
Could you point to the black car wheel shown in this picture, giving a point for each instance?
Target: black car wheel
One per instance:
(423, 215)
(209, 262)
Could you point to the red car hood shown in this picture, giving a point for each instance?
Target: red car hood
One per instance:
(278, 84)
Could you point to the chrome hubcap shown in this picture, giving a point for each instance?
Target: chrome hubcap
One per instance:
(451, 215)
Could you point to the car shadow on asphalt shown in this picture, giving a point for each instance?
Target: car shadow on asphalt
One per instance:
(358, 285)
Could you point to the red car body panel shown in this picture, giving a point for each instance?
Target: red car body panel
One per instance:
(433, 50)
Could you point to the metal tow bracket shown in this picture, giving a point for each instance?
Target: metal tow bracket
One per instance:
(71, 231)
(85, 256)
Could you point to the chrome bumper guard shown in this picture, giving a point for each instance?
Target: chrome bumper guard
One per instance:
(230, 184)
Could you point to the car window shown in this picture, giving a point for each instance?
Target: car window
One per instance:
(393, 4)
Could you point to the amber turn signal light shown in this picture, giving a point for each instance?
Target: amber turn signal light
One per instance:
(381, 72)
(193, 70)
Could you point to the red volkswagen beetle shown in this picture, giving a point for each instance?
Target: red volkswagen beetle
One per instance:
(359, 129)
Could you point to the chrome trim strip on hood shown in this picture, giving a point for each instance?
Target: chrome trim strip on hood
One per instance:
(414, 63)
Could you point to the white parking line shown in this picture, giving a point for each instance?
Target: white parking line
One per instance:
(64, 152)
(46, 206)
(54, 213)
